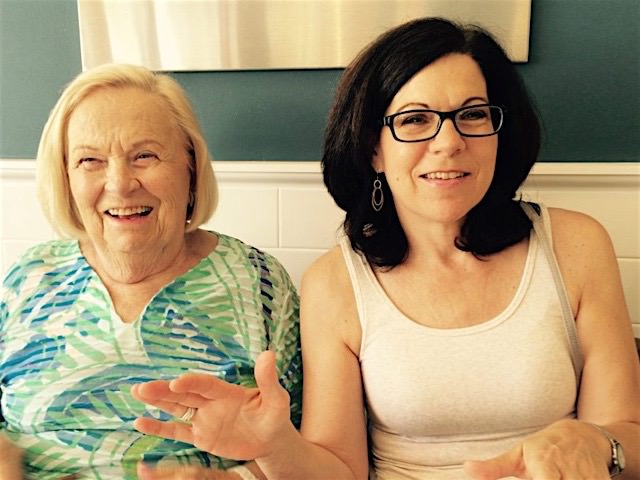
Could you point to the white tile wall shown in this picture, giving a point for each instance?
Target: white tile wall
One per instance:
(283, 208)
(248, 212)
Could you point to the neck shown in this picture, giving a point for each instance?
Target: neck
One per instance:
(435, 241)
(136, 267)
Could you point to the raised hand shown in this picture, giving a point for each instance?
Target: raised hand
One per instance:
(230, 421)
(565, 449)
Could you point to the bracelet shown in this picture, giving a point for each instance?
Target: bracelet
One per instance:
(244, 472)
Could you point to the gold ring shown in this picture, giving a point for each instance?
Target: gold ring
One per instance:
(188, 414)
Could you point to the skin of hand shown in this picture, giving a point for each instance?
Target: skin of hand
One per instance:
(231, 421)
(10, 460)
(565, 449)
(145, 472)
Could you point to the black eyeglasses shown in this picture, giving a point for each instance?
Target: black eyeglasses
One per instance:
(423, 125)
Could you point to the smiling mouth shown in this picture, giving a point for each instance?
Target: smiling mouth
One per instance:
(128, 212)
(444, 175)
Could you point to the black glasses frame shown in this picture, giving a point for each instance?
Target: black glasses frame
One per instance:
(451, 115)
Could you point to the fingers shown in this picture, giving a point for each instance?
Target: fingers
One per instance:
(174, 430)
(202, 386)
(146, 472)
(509, 464)
(158, 394)
(544, 456)
(266, 375)
(194, 389)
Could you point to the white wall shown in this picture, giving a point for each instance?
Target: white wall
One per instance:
(283, 208)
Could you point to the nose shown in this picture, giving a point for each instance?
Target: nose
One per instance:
(121, 178)
(448, 140)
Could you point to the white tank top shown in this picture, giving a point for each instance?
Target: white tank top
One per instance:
(438, 397)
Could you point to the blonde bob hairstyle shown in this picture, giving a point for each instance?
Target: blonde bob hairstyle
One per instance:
(51, 166)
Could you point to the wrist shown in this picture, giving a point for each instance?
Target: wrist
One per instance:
(280, 462)
(616, 460)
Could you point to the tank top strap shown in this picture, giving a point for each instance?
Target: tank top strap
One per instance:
(542, 225)
(356, 269)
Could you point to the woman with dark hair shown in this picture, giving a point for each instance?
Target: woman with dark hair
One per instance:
(456, 331)
(353, 130)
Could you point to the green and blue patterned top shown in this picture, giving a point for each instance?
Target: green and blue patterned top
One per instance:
(67, 361)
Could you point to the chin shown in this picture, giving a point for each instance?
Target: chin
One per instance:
(129, 246)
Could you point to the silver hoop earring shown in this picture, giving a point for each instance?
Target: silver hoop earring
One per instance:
(377, 195)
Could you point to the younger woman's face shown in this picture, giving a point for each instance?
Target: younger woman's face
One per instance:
(441, 179)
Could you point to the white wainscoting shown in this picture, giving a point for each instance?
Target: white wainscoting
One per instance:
(283, 208)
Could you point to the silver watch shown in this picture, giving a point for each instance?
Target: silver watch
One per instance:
(617, 454)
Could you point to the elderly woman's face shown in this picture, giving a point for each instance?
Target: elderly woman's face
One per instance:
(128, 170)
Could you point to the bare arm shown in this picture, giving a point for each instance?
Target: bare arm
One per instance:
(609, 392)
(333, 407)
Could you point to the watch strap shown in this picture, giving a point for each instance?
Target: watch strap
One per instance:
(617, 460)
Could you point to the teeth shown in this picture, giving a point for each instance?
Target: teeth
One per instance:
(128, 211)
(443, 175)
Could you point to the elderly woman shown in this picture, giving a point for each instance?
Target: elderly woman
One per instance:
(486, 337)
(137, 291)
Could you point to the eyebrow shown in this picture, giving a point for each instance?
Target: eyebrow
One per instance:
(83, 147)
(426, 105)
(136, 145)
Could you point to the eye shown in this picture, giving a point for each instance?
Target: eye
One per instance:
(146, 157)
(474, 114)
(415, 118)
(90, 163)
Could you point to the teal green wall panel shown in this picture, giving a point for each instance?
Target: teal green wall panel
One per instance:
(584, 73)
(262, 115)
(39, 54)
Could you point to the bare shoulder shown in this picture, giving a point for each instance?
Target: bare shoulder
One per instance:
(576, 230)
(326, 269)
(327, 299)
(563, 219)
(584, 252)
(588, 263)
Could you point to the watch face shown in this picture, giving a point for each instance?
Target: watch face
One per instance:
(619, 461)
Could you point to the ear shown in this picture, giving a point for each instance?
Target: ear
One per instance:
(377, 160)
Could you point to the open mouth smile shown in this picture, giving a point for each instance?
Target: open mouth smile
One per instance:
(129, 212)
(443, 175)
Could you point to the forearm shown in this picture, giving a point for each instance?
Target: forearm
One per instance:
(295, 458)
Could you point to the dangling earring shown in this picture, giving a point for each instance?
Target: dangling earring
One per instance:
(377, 195)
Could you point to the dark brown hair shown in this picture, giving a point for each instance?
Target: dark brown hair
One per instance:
(367, 87)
